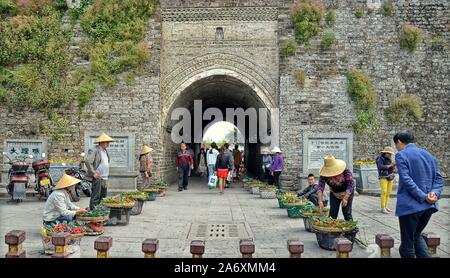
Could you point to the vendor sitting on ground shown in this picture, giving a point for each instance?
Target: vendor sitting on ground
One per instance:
(310, 192)
(58, 207)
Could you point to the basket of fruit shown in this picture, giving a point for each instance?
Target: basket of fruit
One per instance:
(118, 202)
(74, 228)
(98, 214)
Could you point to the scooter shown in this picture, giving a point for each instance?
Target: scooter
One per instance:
(85, 186)
(17, 177)
(44, 182)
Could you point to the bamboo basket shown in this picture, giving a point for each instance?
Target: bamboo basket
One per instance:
(123, 205)
(93, 219)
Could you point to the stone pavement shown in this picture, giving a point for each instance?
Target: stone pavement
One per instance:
(173, 220)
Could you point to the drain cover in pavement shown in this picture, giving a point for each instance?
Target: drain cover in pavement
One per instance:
(218, 231)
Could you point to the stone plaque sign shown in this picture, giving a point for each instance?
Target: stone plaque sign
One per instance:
(121, 151)
(316, 146)
(15, 148)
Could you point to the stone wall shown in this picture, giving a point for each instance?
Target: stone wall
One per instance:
(370, 43)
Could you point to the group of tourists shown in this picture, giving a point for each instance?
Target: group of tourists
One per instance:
(272, 165)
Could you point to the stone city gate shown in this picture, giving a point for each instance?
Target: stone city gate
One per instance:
(227, 57)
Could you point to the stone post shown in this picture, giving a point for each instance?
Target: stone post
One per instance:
(433, 241)
(385, 242)
(149, 247)
(247, 248)
(61, 240)
(295, 248)
(197, 248)
(343, 247)
(102, 245)
(14, 239)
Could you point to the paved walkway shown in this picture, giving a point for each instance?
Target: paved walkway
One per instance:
(175, 220)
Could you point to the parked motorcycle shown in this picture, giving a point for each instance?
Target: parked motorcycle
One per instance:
(83, 187)
(18, 177)
(44, 182)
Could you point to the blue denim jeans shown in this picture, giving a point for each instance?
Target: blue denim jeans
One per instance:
(411, 226)
(211, 169)
(60, 219)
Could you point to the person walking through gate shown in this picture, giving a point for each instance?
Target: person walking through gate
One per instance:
(224, 165)
(266, 164)
(144, 165)
(237, 157)
(335, 173)
(419, 189)
(211, 158)
(184, 164)
(97, 165)
(202, 162)
(277, 167)
(230, 154)
(386, 176)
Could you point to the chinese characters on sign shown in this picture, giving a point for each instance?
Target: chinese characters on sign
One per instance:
(24, 148)
(318, 148)
(118, 150)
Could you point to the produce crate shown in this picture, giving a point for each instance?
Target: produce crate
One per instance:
(119, 216)
(137, 209)
(326, 239)
(280, 203)
(255, 190)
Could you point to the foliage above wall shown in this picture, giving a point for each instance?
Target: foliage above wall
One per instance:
(307, 16)
(361, 92)
(406, 108)
(328, 40)
(330, 18)
(387, 9)
(410, 37)
(289, 48)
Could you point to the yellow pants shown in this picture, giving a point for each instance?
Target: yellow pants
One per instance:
(386, 189)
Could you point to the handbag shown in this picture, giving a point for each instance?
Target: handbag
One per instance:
(212, 183)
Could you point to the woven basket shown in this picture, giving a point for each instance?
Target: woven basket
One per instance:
(93, 219)
(326, 229)
(129, 205)
(255, 190)
(309, 214)
(266, 194)
(280, 203)
(156, 190)
(307, 224)
(94, 233)
(293, 212)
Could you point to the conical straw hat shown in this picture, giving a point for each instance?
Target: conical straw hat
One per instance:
(103, 138)
(388, 150)
(146, 150)
(332, 167)
(66, 181)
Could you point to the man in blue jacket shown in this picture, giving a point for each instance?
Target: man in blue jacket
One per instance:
(420, 187)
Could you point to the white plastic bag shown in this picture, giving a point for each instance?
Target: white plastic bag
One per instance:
(212, 183)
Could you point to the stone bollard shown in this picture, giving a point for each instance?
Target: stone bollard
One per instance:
(14, 239)
(102, 245)
(149, 247)
(61, 240)
(343, 247)
(247, 248)
(295, 248)
(385, 242)
(432, 240)
(197, 248)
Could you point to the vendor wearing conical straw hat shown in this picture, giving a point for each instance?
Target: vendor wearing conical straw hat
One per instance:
(97, 165)
(58, 206)
(335, 173)
(386, 176)
(145, 163)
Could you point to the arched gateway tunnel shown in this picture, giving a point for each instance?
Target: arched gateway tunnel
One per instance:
(214, 99)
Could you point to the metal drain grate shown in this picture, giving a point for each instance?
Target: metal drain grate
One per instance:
(218, 231)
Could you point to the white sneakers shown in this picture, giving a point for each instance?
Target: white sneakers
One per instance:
(384, 210)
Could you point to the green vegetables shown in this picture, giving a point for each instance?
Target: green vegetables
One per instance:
(98, 211)
(334, 223)
(117, 200)
(135, 195)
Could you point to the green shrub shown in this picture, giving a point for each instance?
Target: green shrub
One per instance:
(438, 43)
(299, 76)
(406, 107)
(359, 13)
(360, 89)
(328, 40)
(410, 37)
(7, 8)
(330, 18)
(387, 8)
(289, 48)
(307, 17)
